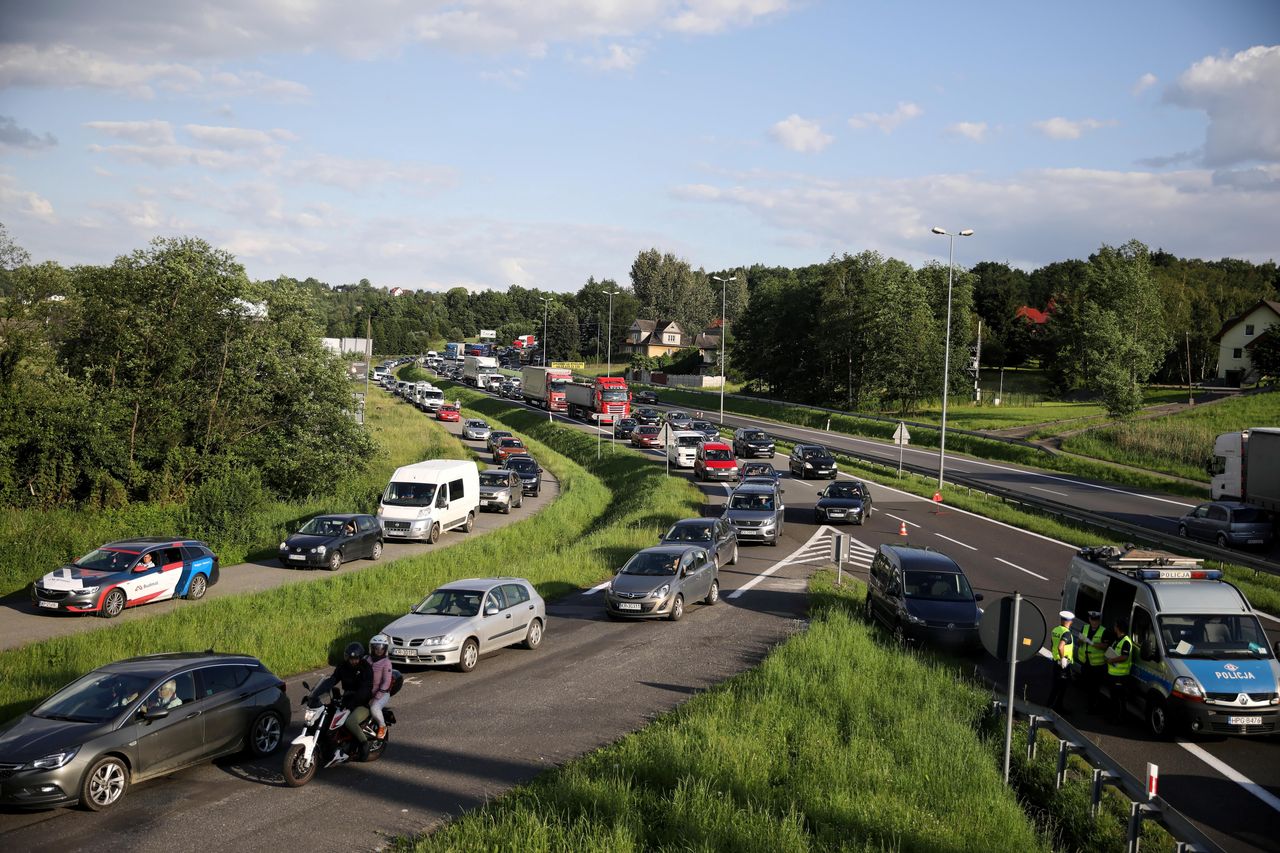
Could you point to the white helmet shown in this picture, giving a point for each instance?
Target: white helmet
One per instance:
(379, 640)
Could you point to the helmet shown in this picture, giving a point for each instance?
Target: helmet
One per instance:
(378, 644)
(354, 650)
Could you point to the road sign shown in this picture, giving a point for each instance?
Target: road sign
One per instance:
(901, 435)
(569, 365)
(996, 624)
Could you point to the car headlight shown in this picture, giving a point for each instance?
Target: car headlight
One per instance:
(1187, 687)
(662, 591)
(442, 640)
(319, 549)
(808, 464)
(912, 618)
(51, 762)
(89, 590)
(284, 546)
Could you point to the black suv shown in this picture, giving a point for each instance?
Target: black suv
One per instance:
(922, 595)
(530, 472)
(812, 460)
(749, 443)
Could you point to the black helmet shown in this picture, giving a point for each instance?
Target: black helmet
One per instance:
(354, 650)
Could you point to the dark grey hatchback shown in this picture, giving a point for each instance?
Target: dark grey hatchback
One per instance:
(136, 719)
(328, 541)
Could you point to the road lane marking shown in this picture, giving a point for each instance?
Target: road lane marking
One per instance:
(1050, 491)
(1019, 568)
(1233, 774)
(957, 541)
(598, 587)
(821, 531)
(897, 517)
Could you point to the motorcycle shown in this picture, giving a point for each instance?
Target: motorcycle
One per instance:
(324, 740)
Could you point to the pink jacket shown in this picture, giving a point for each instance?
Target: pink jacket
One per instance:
(381, 676)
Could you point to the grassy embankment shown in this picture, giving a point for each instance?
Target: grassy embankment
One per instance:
(33, 542)
(606, 511)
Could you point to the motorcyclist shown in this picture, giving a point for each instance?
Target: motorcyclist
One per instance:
(381, 679)
(355, 675)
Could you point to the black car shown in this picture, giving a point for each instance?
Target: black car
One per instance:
(327, 541)
(922, 595)
(717, 535)
(648, 417)
(759, 469)
(710, 430)
(812, 460)
(750, 443)
(529, 470)
(649, 397)
(843, 501)
(622, 427)
(137, 719)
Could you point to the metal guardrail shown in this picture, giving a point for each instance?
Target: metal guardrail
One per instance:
(1107, 771)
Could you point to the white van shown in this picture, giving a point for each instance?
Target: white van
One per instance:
(682, 447)
(427, 498)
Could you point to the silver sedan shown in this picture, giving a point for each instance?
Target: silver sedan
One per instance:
(475, 430)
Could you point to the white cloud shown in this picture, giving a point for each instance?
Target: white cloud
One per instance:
(800, 134)
(712, 16)
(355, 175)
(975, 130)
(141, 132)
(1145, 82)
(25, 203)
(618, 58)
(888, 122)
(163, 156)
(1062, 128)
(230, 138)
(65, 65)
(256, 84)
(1241, 96)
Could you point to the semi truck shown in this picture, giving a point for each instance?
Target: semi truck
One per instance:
(1246, 467)
(477, 368)
(603, 400)
(453, 352)
(544, 386)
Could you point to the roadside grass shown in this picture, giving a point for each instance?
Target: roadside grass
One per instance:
(606, 510)
(33, 542)
(802, 753)
(1178, 444)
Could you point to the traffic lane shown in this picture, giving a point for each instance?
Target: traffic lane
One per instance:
(461, 739)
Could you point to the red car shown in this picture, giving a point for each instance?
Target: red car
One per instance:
(715, 461)
(645, 435)
(449, 413)
(508, 447)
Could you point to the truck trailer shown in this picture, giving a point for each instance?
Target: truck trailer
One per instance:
(544, 386)
(476, 369)
(1246, 467)
(603, 400)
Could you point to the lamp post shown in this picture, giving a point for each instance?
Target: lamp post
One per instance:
(546, 304)
(609, 342)
(946, 352)
(724, 334)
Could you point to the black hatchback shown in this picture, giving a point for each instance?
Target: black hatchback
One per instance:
(327, 541)
(922, 595)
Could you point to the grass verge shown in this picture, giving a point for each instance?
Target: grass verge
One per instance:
(798, 754)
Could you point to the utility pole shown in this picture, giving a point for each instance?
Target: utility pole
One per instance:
(977, 366)
(1191, 398)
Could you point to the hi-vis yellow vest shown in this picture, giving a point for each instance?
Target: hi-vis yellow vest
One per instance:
(1124, 647)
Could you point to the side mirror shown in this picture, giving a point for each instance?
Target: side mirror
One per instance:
(977, 596)
(153, 713)
(306, 687)
(490, 609)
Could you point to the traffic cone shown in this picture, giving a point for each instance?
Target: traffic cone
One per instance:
(937, 497)
(902, 529)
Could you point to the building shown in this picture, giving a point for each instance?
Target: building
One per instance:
(399, 291)
(656, 338)
(1239, 334)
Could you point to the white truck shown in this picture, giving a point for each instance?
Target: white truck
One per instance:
(428, 397)
(476, 366)
(1246, 467)
(544, 386)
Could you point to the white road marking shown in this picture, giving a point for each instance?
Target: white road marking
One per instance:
(1233, 774)
(821, 531)
(1050, 491)
(1019, 568)
(897, 517)
(598, 587)
(957, 541)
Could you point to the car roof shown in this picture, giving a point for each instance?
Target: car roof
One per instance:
(916, 557)
(506, 439)
(341, 516)
(144, 542)
(482, 584)
(668, 549)
(754, 489)
(690, 522)
(717, 445)
(156, 665)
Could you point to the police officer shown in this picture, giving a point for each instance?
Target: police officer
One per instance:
(1119, 663)
(1062, 648)
(1092, 657)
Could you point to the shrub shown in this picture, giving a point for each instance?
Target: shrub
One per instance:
(223, 506)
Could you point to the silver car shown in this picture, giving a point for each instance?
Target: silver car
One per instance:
(756, 511)
(715, 534)
(501, 489)
(474, 430)
(656, 582)
(464, 619)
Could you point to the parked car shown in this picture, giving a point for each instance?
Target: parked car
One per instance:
(646, 416)
(708, 429)
(328, 541)
(762, 472)
(717, 535)
(136, 719)
(922, 595)
(529, 471)
(656, 582)
(750, 443)
(126, 573)
(1229, 523)
(646, 435)
(449, 413)
(650, 397)
(679, 419)
(462, 620)
(843, 501)
(475, 430)
(500, 489)
(715, 461)
(756, 511)
(508, 447)
(812, 460)
(496, 435)
(622, 427)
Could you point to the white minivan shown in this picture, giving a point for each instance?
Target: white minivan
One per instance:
(682, 447)
(427, 498)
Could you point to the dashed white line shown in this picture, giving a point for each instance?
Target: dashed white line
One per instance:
(900, 518)
(1233, 774)
(957, 541)
(1050, 491)
(1019, 568)
(598, 587)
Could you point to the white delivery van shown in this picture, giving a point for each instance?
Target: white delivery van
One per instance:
(427, 498)
(682, 447)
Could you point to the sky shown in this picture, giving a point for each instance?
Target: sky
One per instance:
(432, 144)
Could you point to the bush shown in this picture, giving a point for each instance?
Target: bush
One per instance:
(223, 507)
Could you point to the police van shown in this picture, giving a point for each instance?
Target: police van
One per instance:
(1200, 657)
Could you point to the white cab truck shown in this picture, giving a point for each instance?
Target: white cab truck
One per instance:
(475, 366)
(425, 499)
(1246, 467)
(682, 447)
(1201, 662)
(544, 386)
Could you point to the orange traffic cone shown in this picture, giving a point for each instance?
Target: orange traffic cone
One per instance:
(902, 529)
(937, 497)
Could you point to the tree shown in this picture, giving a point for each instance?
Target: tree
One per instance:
(563, 340)
(668, 289)
(1264, 354)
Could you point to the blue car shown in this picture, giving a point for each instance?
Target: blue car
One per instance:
(123, 574)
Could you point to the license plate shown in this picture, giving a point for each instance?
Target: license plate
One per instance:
(1244, 721)
(395, 532)
(297, 556)
(626, 605)
(1255, 541)
(400, 653)
(51, 604)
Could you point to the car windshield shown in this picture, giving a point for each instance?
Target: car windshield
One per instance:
(323, 526)
(106, 560)
(497, 436)
(652, 563)
(409, 494)
(521, 463)
(648, 429)
(938, 586)
(627, 422)
(688, 440)
(494, 478)
(1250, 515)
(689, 533)
(450, 602)
(558, 385)
(716, 455)
(756, 503)
(816, 453)
(704, 426)
(754, 435)
(477, 424)
(95, 698)
(757, 469)
(511, 442)
(614, 396)
(1203, 636)
(844, 490)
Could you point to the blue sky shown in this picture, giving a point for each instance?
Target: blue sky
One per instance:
(484, 143)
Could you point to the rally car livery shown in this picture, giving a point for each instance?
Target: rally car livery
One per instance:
(117, 575)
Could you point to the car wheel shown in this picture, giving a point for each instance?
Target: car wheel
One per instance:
(734, 561)
(713, 594)
(1158, 718)
(298, 771)
(265, 734)
(868, 613)
(520, 501)
(819, 517)
(899, 636)
(105, 784)
(773, 543)
(1221, 540)
(1182, 531)
(376, 553)
(113, 604)
(334, 562)
(199, 585)
(677, 608)
(471, 522)
(469, 656)
(434, 536)
(533, 638)
(506, 508)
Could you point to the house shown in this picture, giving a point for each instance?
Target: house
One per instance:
(1240, 333)
(708, 344)
(398, 291)
(656, 338)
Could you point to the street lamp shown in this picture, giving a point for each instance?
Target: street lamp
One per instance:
(609, 342)
(946, 352)
(724, 322)
(546, 304)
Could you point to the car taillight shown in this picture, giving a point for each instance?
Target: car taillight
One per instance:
(282, 687)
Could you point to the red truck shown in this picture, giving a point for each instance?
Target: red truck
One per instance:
(602, 400)
(544, 386)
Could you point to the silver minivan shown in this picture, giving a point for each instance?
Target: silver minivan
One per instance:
(756, 512)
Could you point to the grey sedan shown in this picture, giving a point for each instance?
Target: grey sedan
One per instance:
(717, 535)
(475, 430)
(656, 582)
